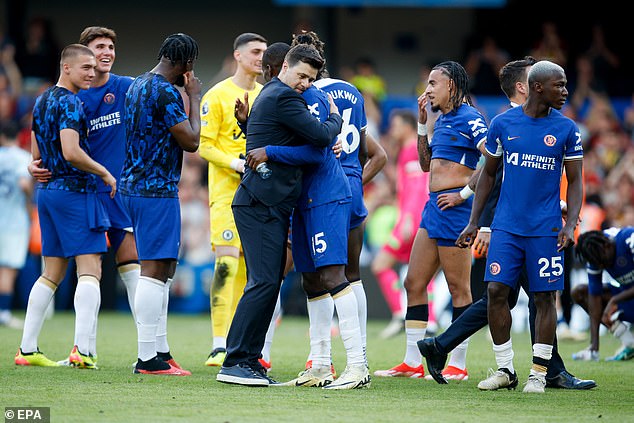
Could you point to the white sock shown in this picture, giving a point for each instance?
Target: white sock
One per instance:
(414, 332)
(458, 356)
(362, 302)
(268, 340)
(39, 299)
(129, 274)
(545, 352)
(348, 316)
(148, 302)
(504, 355)
(219, 342)
(92, 347)
(622, 331)
(161, 330)
(86, 302)
(320, 311)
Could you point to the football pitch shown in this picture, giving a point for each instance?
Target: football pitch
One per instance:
(114, 394)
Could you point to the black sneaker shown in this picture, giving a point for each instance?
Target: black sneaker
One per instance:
(565, 380)
(259, 369)
(241, 374)
(435, 359)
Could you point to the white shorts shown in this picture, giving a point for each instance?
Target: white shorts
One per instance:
(14, 247)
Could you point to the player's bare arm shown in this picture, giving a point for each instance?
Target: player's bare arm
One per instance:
(574, 195)
(424, 149)
(187, 132)
(35, 170)
(483, 188)
(377, 158)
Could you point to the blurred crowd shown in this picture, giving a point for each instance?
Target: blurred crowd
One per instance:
(28, 67)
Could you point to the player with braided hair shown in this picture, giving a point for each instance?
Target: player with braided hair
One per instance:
(178, 48)
(450, 157)
(611, 250)
(157, 131)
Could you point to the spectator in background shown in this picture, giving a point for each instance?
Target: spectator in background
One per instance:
(605, 62)
(423, 76)
(16, 189)
(550, 46)
(10, 75)
(37, 56)
(194, 199)
(7, 107)
(483, 66)
(585, 86)
(368, 81)
(628, 118)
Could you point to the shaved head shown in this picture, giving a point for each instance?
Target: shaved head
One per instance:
(543, 70)
(71, 52)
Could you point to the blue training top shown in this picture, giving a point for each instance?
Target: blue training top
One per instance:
(56, 109)
(154, 159)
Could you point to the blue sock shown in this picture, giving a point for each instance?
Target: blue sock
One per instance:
(5, 301)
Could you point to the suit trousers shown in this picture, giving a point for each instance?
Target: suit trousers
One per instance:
(264, 233)
(475, 318)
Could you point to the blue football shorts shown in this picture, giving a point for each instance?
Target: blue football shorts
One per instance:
(508, 253)
(72, 223)
(358, 211)
(156, 222)
(445, 226)
(320, 236)
(120, 222)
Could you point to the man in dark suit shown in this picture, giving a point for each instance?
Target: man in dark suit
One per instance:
(262, 207)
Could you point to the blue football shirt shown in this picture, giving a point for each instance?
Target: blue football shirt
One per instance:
(457, 135)
(325, 182)
(153, 162)
(622, 270)
(351, 106)
(534, 151)
(105, 106)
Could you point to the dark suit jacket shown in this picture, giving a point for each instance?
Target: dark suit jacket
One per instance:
(279, 116)
(486, 218)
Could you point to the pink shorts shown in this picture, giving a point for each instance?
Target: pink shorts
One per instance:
(397, 246)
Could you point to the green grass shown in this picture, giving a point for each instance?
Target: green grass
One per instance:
(114, 394)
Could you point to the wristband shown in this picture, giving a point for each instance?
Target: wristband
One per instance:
(485, 229)
(562, 204)
(466, 192)
(422, 129)
(236, 163)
